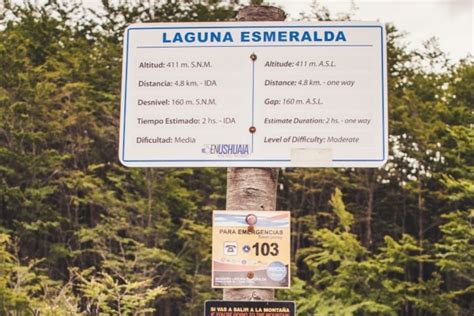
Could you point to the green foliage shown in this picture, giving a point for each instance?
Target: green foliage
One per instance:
(347, 279)
(106, 294)
(79, 233)
(26, 290)
(63, 192)
(345, 218)
(455, 254)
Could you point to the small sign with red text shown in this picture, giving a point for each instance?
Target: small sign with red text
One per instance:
(250, 308)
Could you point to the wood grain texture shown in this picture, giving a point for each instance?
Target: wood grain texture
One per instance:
(260, 13)
(253, 188)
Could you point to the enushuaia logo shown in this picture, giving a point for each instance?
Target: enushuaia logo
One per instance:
(226, 150)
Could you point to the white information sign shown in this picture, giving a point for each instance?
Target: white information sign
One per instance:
(255, 94)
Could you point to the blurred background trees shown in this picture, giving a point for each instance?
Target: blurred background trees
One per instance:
(79, 233)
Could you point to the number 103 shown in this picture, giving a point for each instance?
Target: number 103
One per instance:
(266, 249)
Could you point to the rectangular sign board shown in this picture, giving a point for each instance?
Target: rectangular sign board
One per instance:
(254, 94)
(251, 257)
(249, 308)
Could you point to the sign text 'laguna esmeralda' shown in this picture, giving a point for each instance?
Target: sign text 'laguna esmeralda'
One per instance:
(258, 94)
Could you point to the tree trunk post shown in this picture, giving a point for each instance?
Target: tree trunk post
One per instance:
(253, 188)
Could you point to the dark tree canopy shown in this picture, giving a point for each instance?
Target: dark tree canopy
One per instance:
(81, 234)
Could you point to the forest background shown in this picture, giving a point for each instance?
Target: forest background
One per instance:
(81, 234)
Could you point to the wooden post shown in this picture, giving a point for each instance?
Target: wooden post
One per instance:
(253, 188)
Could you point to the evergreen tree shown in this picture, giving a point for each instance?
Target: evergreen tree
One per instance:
(79, 233)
